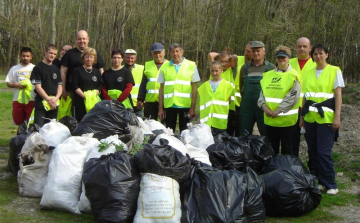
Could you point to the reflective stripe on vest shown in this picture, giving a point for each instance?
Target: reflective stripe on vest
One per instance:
(137, 73)
(152, 86)
(275, 86)
(319, 90)
(241, 62)
(214, 106)
(177, 86)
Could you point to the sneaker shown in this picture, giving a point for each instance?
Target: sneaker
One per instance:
(320, 187)
(332, 191)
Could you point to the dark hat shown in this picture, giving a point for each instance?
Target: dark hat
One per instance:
(282, 54)
(157, 47)
(256, 44)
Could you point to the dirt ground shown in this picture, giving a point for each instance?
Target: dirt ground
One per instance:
(348, 145)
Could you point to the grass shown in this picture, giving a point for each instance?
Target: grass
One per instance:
(9, 187)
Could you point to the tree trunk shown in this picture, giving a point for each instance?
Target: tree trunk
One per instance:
(53, 20)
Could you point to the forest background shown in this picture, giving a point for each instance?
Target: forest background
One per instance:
(200, 26)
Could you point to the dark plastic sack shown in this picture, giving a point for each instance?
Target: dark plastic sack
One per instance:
(105, 119)
(219, 135)
(230, 153)
(112, 185)
(254, 206)
(22, 129)
(15, 146)
(262, 151)
(288, 193)
(163, 160)
(69, 122)
(285, 162)
(215, 196)
(125, 138)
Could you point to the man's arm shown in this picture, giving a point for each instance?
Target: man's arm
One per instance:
(161, 102)
(15, 85)
(63, 72)
(142, 92)
(193, 99)
(212, 56)
(338, 103)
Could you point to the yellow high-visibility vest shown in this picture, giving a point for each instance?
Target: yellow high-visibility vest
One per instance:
(152, 86)
(214, 106)
(319, 90)
(241, 62)
(137, 73)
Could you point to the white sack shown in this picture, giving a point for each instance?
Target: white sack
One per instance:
(198, 154)
(198, 135)
(62, 189)
(158, 201)
(174, 142)
(84, 203)
(54, 133)
(152, 125)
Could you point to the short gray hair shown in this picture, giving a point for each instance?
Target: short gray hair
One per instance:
(175, 45)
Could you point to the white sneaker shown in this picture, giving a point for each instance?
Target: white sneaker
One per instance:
(320, 187)
(332, 192)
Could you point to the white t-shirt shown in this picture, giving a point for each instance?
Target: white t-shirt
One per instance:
(18, 73)
(214, 84)
(339, 80)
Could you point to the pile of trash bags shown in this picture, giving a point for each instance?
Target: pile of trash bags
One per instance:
(125, 169)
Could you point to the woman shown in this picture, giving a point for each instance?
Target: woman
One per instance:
(280, 91)
(322, 85)
(83, 79)
(229, 67)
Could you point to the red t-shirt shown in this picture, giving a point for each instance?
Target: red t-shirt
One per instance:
(302, 63)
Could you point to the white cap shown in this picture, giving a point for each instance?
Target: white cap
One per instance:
(130, 51)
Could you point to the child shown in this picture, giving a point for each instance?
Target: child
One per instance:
(229, 67)
(215, 96)
(48, 87)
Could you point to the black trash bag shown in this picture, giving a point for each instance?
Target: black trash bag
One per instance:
(112, 185)
(261, 148)
(156, 133)
(230, 153)
(285, 162)
(289, 193)
(107, 118)
(125, 138)
(17, 142)
(219, 135)
(215, 196)
(254, 206)
(69, 122)
(163, 160)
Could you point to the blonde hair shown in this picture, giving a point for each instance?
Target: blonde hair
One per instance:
(89, 51)
(282, 48)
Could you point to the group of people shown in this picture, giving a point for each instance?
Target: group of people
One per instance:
(302, 92)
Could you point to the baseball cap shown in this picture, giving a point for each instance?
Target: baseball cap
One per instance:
(282, 54)
(256, 44)
(130, 51)
(157, 47)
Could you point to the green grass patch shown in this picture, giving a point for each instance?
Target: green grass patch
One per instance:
(8, 130)
(9, 190)
(318, 215)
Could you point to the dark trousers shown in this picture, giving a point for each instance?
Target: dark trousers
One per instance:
(171, 115)
(237, 121)
(42, 116)
(231, 124)
(151, 110)
(280, 135)
(296, 137)
(320, 141)
(250, 114)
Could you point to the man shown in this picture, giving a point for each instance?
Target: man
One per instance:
(72, 59)
(250, 77)
(178, 80)
(137, 71)
(301, 64)
(48, 87)
(119, 79)
(240, 62)
(57, 61)
(23, 100)
(148, 96)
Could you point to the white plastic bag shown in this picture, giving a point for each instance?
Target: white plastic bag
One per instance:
(142, 124)
(62, 189)
(198, 154)
(34, 164)
(198, 135)
(84, 203)
(152, 125)
(159, 200)
(54, 133)
(174, 142)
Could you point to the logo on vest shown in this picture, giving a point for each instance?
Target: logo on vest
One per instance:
(275, 80)
(54, 75)
(94, 78)
(119, 79)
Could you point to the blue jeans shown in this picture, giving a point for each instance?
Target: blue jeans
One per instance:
(320, 141)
